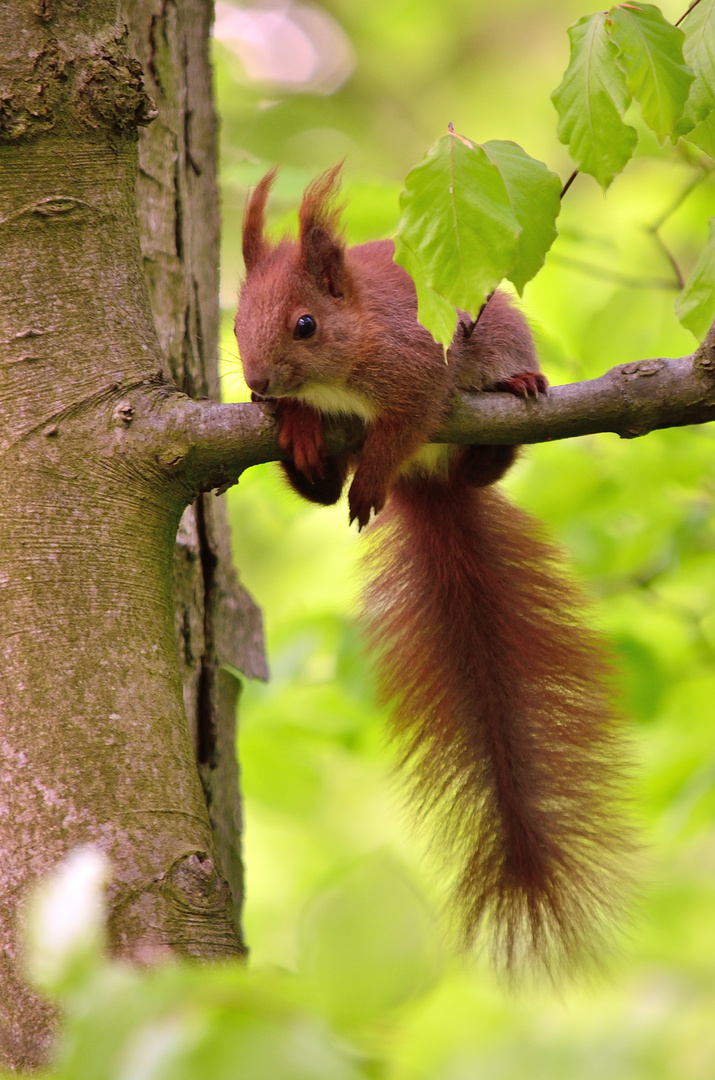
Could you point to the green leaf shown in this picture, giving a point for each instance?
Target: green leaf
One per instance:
(457, 236)
(698, 125)
(534, 192)
(435, 313)
(695, 307)
(651, 52)
(592, 100)
(369, 942)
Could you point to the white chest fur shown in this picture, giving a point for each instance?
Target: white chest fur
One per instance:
(336, 400)
(432, 459)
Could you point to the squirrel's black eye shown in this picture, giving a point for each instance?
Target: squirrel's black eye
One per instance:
(305, 327)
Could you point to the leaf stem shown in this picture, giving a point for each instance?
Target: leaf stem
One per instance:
(685, 14)
(568, 183)
(468, 328)
(669, 256)
(689, 187)
(654, 229)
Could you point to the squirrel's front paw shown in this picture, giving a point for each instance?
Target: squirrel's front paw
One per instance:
(301, 436)
(363, 498)
(524, 384)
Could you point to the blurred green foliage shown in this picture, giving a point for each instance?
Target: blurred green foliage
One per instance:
(637, 520)
(352, 973)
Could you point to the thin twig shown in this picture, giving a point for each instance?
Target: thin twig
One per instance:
(687, 190)
(685, 15)
(568, 183)
(468, 328)
(602, 273)
(654, 229)
(669, 256)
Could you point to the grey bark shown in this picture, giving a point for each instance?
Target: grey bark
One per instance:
(217, 625)
(94, 741)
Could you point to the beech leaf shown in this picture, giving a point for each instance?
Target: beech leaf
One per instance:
(651, 52)
(698, 125)
(435, 313)
(591, 102)
(695, 307)
(458, 233)
(534, 192)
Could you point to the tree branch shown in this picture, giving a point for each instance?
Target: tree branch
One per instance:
(630, 400)
(220, 441)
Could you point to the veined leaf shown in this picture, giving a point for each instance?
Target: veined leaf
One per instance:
(435, 313)
(695, 307)
(534, 192)
(698, 125)
(592, 100)
(651, 52)
(458, 233)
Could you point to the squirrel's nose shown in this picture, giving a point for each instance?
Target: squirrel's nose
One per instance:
(259, 386)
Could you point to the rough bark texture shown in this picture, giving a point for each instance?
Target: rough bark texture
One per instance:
(177, 198)
(94, 744)
(629, 400)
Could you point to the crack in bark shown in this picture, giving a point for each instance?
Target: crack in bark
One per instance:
(187, 114)
(178, 211)
(206, 723)
(203, 389)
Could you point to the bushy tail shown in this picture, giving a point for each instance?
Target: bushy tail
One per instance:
(501, 712)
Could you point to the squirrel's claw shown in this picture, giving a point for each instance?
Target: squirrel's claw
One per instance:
(363, 500)
(301, 436)
(524, 384)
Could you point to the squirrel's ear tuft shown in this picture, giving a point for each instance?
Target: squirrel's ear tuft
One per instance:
(322, 255)
(322, 246)
(255, 245)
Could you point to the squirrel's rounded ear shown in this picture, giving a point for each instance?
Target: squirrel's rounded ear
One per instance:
(323, 257)
(255, 245)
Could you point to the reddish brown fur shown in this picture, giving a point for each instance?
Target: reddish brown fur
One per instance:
(501, 715)
(499, 695)
(254, 244)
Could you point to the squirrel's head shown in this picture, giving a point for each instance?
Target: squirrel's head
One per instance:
(295, 304)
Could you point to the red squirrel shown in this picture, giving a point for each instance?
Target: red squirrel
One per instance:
(500, 694)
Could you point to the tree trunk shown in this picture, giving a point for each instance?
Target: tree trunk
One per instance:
(217, 623)
(94, 743)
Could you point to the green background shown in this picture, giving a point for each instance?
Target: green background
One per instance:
(636, 519)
